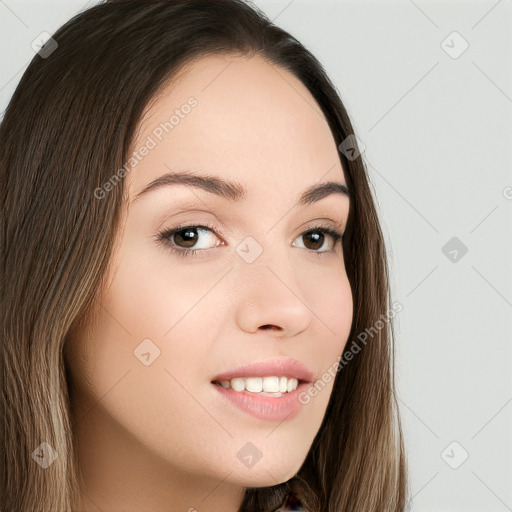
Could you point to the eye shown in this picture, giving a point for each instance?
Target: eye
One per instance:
(186, 240)
(316, 238)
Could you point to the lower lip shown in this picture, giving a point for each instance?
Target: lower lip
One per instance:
(265, 407)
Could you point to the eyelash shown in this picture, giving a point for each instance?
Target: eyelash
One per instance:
(163, 238)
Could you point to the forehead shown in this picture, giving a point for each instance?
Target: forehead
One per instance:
(251, 122)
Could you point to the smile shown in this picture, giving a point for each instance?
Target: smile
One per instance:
(266, 386)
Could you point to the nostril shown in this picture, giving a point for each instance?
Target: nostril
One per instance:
(268, 327)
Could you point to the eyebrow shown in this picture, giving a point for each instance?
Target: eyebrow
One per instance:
(235, 191)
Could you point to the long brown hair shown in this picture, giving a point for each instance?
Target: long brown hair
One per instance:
(68, 128)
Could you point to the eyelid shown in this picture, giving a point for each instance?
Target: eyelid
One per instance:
(191, 208)
(336, 224)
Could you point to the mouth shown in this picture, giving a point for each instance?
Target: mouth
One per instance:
(274, 376)
(272, 386)
(273, 406)
(267, 390)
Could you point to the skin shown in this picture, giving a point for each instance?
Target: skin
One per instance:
(159, 437)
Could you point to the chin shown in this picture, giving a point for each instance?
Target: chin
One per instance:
(266, 475)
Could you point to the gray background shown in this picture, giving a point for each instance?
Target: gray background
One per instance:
(438, 145)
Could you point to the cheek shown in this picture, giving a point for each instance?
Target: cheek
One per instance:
(330, 299)
(149, 325)
(153, 293)
(149, 310)
(329, 295)
(337, 308)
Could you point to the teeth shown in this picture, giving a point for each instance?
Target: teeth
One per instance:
(254, 384)
(270, 384)
(237, 384)
(261, 385)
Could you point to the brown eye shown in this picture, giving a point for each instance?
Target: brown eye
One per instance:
(189, 240)
(186, 237)
(315, 240)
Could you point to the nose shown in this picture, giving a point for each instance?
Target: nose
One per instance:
(268, 297)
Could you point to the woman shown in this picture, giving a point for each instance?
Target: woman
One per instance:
(193, 263)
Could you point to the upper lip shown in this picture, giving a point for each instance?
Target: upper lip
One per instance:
(271, 367)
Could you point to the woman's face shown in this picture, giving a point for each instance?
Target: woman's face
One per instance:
(267, 283)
